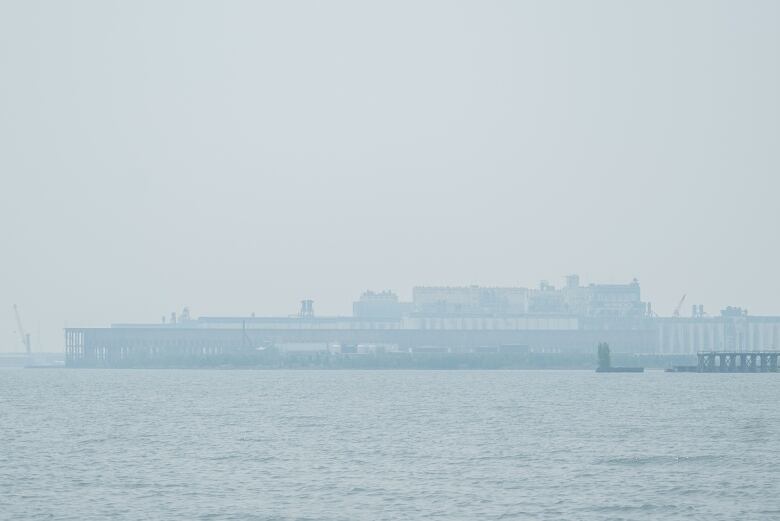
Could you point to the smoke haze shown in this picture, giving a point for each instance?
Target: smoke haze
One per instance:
(237, 157)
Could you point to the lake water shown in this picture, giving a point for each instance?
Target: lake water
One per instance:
(388, 445)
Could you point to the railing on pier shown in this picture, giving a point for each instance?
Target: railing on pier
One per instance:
(738, 361)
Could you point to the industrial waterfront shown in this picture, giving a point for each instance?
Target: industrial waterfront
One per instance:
(441, 327)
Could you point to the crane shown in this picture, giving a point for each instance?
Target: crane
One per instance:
(22, 333)
(679, 307)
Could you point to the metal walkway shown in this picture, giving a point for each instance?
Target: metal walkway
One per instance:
(738, 361)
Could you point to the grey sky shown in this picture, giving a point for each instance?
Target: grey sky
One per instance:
(239, 156)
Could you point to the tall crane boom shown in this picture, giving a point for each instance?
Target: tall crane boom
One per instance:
(25, 337)
(679, 306)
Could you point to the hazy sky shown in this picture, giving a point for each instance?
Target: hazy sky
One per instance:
(240, 156)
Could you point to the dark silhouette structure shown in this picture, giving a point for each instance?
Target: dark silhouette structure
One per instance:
(605, 362)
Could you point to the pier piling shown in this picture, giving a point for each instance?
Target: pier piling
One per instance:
(738, 361)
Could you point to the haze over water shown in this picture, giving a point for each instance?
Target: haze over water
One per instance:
(237, 157)
(388, 445)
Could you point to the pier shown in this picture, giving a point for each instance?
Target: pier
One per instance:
(213, 342)
(737, 361)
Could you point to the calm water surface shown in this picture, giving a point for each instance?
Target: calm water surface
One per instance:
(385, 445)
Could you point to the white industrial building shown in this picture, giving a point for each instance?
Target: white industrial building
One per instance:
(574, 318)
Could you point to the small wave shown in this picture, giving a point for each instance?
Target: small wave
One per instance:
(658, 459)
(644, 507)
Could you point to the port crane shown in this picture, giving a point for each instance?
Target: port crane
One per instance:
(22, 333)
(679, 307)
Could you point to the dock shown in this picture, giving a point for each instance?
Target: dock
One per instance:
(737, 361)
